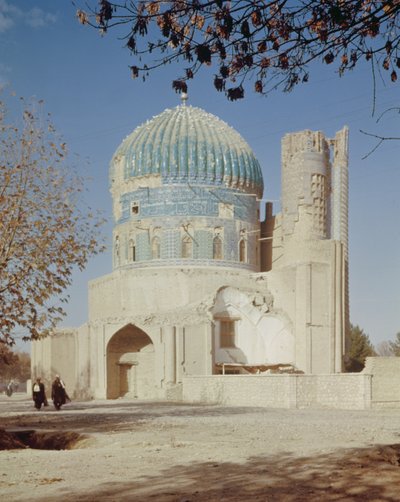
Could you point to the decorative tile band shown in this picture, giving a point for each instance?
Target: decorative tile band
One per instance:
(186, 200)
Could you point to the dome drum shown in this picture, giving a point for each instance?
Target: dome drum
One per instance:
(185, 189)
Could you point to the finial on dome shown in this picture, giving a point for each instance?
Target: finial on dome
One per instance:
(184, 98)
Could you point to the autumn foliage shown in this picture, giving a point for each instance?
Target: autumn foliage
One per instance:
(46, 231)
(14, 365)
(268, 43)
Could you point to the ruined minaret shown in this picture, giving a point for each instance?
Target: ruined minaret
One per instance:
(305, 185)
(314, 233)
(315, 186)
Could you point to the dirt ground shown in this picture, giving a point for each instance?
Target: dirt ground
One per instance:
(174, 452)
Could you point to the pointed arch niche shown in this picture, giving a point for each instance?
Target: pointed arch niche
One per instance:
(130, 364)
(217, 247)
(242, 251)
(187, 247)
(156, 247)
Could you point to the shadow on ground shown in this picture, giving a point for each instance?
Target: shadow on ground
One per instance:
(353, 475)
(369, 474)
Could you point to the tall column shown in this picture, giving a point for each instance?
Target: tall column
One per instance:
(340, 219)
(340, 189)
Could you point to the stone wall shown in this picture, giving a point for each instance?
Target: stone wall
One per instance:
(55, 355)
(338, 391)
(385, 373)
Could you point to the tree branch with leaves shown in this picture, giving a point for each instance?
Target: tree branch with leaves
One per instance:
(46, 230)
(268, 43)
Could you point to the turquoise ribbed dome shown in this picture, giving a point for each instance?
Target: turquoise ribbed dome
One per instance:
(188, 145)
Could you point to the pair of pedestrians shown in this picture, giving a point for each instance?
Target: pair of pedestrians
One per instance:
(58, 393)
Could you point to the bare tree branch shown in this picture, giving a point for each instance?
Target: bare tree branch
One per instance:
(381, 140)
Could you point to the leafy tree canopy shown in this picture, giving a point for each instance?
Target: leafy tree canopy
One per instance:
(360, 347)
(268, 43)
(46, 230)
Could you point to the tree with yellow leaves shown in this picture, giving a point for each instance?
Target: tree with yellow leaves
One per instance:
(46, 230)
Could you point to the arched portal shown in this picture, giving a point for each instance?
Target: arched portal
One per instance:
(130, 364)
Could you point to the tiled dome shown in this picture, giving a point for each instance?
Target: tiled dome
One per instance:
(188, 145)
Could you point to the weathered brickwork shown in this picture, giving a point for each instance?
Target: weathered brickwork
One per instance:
(340, 391)
(378, 386)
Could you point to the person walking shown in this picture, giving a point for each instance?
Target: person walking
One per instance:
(39, 394)
(58, 393)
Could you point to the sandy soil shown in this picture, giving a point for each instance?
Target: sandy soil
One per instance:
(143, 451)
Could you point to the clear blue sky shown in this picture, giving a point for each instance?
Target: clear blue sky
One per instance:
(85, 82)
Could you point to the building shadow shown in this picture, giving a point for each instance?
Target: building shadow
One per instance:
(371, 474)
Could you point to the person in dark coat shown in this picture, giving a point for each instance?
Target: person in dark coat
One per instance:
(58, 393)
(39, 394)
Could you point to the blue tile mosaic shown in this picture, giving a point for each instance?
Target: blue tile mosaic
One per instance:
(170, 244)
(188, 144)
(203, 244)
(143, 251)
(188, 201)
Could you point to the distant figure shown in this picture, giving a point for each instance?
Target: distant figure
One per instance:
(10, 388)
(58, 393)
(39, 394)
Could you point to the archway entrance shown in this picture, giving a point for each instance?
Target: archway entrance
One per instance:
(130, 364)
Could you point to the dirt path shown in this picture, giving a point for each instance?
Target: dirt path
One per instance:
(142, 451)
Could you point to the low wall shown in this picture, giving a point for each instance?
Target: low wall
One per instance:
(385, 390)
(339, 391)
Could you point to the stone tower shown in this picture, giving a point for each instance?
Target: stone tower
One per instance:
(313, 229)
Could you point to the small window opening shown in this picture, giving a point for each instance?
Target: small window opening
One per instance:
(227, 334)
(132, 251)
(242, 251)
(135, 208)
